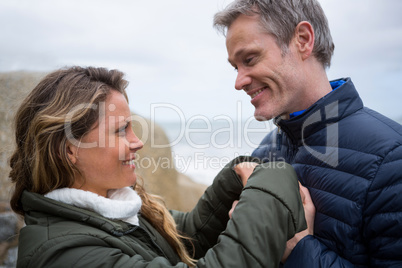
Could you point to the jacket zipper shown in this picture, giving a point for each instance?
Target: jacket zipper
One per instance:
(278, 139)
(135, 228)
(153, 242)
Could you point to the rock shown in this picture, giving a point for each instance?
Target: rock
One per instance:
(8, 225)
(13, 87)
(11, 258)
(9, 228)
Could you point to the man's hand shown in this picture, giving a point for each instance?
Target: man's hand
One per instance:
(309, 211)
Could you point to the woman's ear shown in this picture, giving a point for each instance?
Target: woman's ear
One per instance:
(72, 152)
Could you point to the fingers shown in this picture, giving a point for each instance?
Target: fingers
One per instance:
(306, 197)
(244, 170)
(309, 208)
(233, 207)
(301, 190)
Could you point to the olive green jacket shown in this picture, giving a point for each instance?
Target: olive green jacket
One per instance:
(268, 214)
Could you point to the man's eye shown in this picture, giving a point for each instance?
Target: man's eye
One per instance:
(248, 60)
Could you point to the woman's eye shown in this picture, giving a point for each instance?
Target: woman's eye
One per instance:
(122, 131)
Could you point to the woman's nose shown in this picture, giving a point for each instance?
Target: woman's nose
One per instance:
(137, 145)
(134, 143)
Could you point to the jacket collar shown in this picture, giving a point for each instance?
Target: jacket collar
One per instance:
(331, 108)
(120, 204)
(37, 206)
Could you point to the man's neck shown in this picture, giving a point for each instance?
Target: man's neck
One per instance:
(316, 85)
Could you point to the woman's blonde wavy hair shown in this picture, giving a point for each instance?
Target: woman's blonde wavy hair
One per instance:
(40, 163)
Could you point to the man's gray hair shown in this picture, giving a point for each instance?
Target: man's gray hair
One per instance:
(280, 18)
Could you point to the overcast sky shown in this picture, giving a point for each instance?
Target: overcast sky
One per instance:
(171, 54)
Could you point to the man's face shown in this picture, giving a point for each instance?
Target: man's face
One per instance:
(270, 77)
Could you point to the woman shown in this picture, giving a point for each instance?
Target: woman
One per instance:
(75, 185)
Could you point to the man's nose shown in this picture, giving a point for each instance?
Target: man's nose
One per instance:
(242, 80)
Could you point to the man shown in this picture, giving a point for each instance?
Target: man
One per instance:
(348, 156)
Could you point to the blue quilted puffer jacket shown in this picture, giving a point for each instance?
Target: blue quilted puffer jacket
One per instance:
(350, 158)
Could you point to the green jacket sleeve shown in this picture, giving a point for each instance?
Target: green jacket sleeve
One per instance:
(268, 214)
(209, 218)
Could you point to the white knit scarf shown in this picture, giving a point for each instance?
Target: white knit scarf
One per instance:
(120, 204)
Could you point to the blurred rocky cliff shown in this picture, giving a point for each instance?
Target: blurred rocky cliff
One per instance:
(154, 165)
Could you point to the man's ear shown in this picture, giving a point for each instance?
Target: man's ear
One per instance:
(304, 39)
(72, 152)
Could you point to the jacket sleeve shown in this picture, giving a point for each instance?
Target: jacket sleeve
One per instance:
(210, 216)
(268, 214)
(383, 213)
(311, 253)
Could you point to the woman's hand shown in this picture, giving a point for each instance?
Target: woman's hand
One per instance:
(309, 211)
(244, 170)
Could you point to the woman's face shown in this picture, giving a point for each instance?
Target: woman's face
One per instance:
(105, 155)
